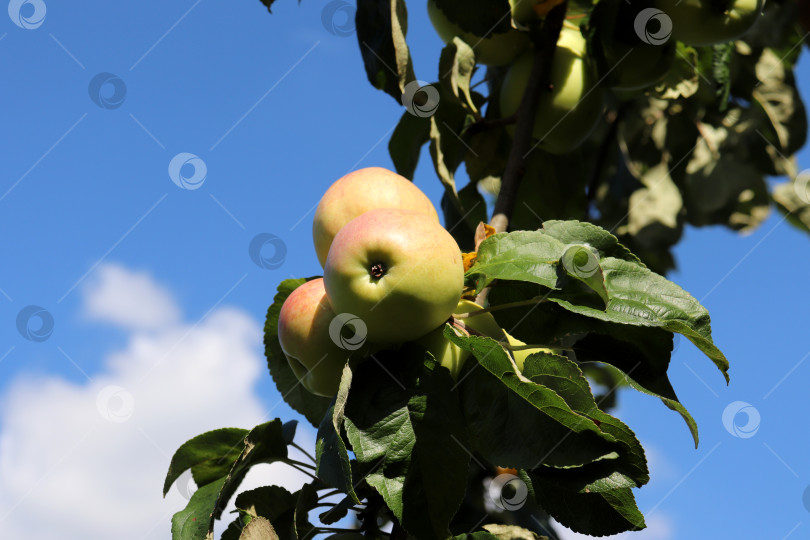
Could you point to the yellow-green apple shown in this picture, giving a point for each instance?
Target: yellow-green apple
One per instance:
(706, 22)
(357, 193)
(521, 355)
(494, 49)
(570, 108)
(448, 353)
(314, 339)
(399, 271)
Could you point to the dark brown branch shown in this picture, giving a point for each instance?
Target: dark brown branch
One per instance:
(614, 117)
(545, 41)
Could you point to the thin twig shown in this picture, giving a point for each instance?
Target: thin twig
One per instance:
(545, 41)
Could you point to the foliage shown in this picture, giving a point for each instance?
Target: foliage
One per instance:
(494, 453)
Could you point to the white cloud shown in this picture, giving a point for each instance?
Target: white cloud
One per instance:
(128, 299)
(88, 460)
(659, 527)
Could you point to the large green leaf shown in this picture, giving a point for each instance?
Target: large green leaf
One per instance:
(516, 422)
(406, 426)
(209, 456)
(596, 513)
(299, 398)
(640, 353)
(641, 297)
(561, 375)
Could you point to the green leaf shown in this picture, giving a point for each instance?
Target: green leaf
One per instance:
(406, 426)
(599, 513)
(381, 30)
(511, 532)
(581, 263)
(307, 500)
(639, 297)
(259, 529)
(447, 146)
(682, 80)
(331, 454)
(639, 354)
(520, 256)
(337, 512)
(209, 456)
(582, 232)
(561, 375)
(405, 146)
(456, 68)
(793, 199)
(192, 523)
(518, 423)
(780, 102)
(273, 503)
(264, 444)
(299, 398)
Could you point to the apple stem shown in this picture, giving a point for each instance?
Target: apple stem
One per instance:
(490, 309)
(545, 40)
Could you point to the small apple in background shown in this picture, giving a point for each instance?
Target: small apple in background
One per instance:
(304, 334)
(521, 355)
(398, 270)
(632, 43)
(570, 109)
(495, 49)
(524, 12)
(706, 22)
(357, 193)
(449, 354)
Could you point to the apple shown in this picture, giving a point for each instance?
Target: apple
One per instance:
(521, 355)
(448, 353)
(525, 12)
(628, 61)
(398, 270)
(494, 49)
(304, 324)
(357, 193)
(570, 109)
(706, 22)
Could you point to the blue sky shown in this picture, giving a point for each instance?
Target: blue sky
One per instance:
(277, 107)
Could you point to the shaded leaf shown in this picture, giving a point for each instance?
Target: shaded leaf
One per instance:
(192, 523)
(259, 529)
(331, 454)
(381, 30)
(518, 423)
(405, 145)
(596, 513)
(406, 426)
(209, 456)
